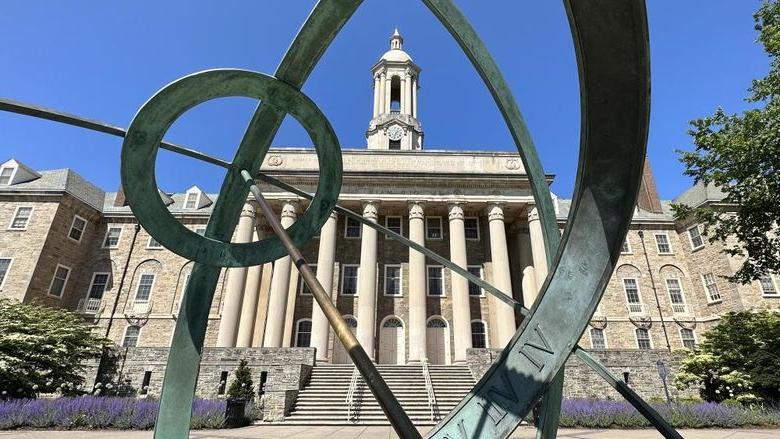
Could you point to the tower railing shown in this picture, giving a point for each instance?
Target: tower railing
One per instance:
(433, 406)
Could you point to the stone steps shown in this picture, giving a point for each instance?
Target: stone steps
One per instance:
(323, 399)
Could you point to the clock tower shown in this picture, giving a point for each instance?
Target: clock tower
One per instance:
(395, 124)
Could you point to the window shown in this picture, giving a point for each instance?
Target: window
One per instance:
(394, 145)
(393, 280)
(435, 280)
(471, 228)
(643, 339)
(77, 228)
(21, 218)
(688, 338)
(597, 339)
(352, 228)
(393, 223)
(433, 227)
(6, 174)
(349, 280)
(393, 322)
(153, 244)
(112, 237)
(474, 289)
(303, 333)
(145, 382)
(61, 274)
(303, 289)
(478, 334)
(200, 230)
(5, 264)
(98, 285)
(223, 376)
(676, 295)
(626, 249)
(768, 287)
(631, 288)
(713, 293)
(350, 321)
(144, 288)
(191, 202)
(131, 339)
(694, 234)
(662, 243)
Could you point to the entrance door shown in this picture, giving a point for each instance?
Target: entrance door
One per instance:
(392, 349)
(436, 341)
(340, 355)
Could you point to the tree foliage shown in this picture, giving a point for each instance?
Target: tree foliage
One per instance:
(738, 359)
(43, 349)
(242, 386)
(740, 153)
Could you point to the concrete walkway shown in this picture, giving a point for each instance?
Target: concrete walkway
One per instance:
(304, 432)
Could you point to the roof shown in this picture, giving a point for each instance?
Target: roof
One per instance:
(564, 206)
(700, 194)
(65, 180)
(396, 55)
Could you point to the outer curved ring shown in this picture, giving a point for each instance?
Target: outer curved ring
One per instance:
(139, 152)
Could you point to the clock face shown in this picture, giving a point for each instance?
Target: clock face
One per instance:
(395, 132)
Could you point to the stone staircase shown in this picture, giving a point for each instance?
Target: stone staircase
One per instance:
(323, 399)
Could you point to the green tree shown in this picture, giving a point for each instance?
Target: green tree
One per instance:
(740, 154)
(242, 386)
(738, 359)
(43, 349)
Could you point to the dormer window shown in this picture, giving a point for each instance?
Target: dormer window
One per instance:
(192, 200)
(5, 175)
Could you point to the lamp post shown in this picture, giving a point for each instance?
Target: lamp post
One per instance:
(663, 373)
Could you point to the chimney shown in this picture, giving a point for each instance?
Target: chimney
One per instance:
(648, 194)
(120, 200)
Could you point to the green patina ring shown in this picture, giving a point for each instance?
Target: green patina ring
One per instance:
(139, 153)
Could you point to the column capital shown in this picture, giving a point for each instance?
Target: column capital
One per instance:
(416, 209)
(248, 210)
(333, 214)
(290, 209)
(533, 214)
(495, 211)
(370, 209)
(455, 210)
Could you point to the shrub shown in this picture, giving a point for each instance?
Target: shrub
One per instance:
(242, 386)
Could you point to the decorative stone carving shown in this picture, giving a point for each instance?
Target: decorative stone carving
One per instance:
(598, 322)
(513, 164)
(248, 211)
(495, 211)
(687, 323)
(533, 215)
(275, 160)
(290, 209)
(643, 322)
(455, 209)
(416, 210)
(370, 209)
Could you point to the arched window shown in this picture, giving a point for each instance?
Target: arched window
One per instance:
(436, 323)
(478, 334)
(395, 94)
(351, 321)
(303, 333)
(393, 322)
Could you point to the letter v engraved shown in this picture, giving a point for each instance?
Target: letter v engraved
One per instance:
(540, 347)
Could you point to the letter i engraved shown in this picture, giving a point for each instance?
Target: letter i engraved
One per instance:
(461, 431)
(537, 351)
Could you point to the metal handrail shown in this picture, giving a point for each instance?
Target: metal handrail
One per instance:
(432, 404)
(351, 393)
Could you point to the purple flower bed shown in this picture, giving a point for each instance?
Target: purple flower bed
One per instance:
(99, 412)
(620, 414)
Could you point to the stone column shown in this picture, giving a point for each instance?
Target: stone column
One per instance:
(528, 283)
(408, 93)
(382, 93)
(414, 96)
(367, 281)
(246, 326)
(376, 96)
(504, 313)
(326, 257)
(402, 97)
(388, 88)
(537, 248)
(461, 314)
(234, 290)
(262, 305)
(280, 283)
(417, 290)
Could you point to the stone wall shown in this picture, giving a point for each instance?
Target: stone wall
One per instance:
(582, 382)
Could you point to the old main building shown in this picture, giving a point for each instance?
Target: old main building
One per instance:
(65, 242)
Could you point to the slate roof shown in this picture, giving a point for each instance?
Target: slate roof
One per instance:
(65, 180)
(700, 194)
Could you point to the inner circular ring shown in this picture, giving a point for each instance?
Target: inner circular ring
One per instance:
(139, 154)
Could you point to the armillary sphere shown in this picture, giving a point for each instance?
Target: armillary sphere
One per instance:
(611, 43)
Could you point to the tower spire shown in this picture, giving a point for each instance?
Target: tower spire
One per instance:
(396, 40)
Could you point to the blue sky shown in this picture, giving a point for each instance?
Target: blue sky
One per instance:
(103, 60)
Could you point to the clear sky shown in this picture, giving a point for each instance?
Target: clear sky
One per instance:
(103, 60)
